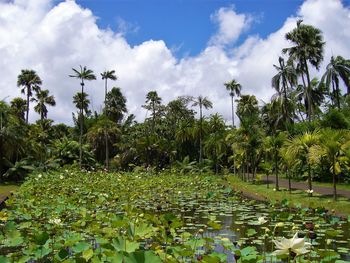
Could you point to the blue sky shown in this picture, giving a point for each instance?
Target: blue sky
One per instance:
(175, 47)
(185, 25)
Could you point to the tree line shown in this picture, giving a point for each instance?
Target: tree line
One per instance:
(303, 131)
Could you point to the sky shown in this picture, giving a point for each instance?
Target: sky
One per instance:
(177, 47)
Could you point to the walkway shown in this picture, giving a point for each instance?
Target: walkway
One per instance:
(323, 190)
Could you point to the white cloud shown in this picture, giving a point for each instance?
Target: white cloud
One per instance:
(52, 39)
(230, 25)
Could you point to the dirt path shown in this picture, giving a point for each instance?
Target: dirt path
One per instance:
(326, 191)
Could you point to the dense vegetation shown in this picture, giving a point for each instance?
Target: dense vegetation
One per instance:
(140, 217)
(302, 132)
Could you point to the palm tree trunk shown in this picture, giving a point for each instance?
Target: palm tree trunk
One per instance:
(334, 182)
(276, 171)
(233, 113)
(106, 136)
(200, 135)
(81, 126)
(308, 89)
(27, 105)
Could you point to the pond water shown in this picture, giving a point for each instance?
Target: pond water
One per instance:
(236, 219)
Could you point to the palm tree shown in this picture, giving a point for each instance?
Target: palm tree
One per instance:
(338, 68)
(308, 48)
(116, 105)
(81, 101)
(331, 148)
(283, 82)
(235, 90)
(43, 99)
(83, 74)
(19, 107)
(29, 81)
(206, 103)
(105, 76)
(153, 101)
(300, 147)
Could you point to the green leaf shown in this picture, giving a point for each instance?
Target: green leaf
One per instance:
(63, 253)
(142, 257)
(41, 238)
(251, 232)
(4, 259)
(121, 244)
(80, 247)
(87, 254)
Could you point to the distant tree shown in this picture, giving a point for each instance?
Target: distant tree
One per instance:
(235, 90)
(29, 81)
(43, 99)
(308, 47)
(206, 103)
(338, 68)
(115, 105)
(83, 74)
(19, 107)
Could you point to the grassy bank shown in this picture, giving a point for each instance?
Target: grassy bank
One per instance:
(296, 198)
(5, 189)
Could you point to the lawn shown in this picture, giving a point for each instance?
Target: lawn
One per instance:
(296, 198)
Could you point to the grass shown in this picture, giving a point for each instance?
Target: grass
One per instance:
(296, 198)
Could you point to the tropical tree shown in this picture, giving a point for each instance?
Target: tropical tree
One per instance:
(29, 81)
(215, 144)
(300, 147)
(235, 90)
(82, 102)
(206, 103)
(154, 102)
(333, 144)
(283, 83)
(43, 99)
(115, 105)
(83, 74)
(19, 108)
(338, 68)
(105, 76)
(308, 47)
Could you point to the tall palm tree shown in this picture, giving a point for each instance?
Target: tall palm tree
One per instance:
(338, 68)
(29, 81)
(43, 99)
(116, 105)
(83, 74)
(154, 101)
(235, 90)
(105, 76)
(308, 47)
(206, 103)
(283, 82)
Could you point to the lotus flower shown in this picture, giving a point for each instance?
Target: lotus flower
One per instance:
(295, 245)
(262, 220)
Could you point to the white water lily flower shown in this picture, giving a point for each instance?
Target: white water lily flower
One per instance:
(262, 220)
(40, 175)
(297, 245)
(61, 177)
(55, 221)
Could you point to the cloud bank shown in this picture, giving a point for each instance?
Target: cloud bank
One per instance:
(53, 38)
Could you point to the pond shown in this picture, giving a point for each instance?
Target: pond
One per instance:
(73, 216)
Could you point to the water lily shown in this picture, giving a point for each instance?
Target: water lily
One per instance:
(261, 220)
(61, 177)
(309, 191)
(55, 221)
(295, 245)
(280, 224)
